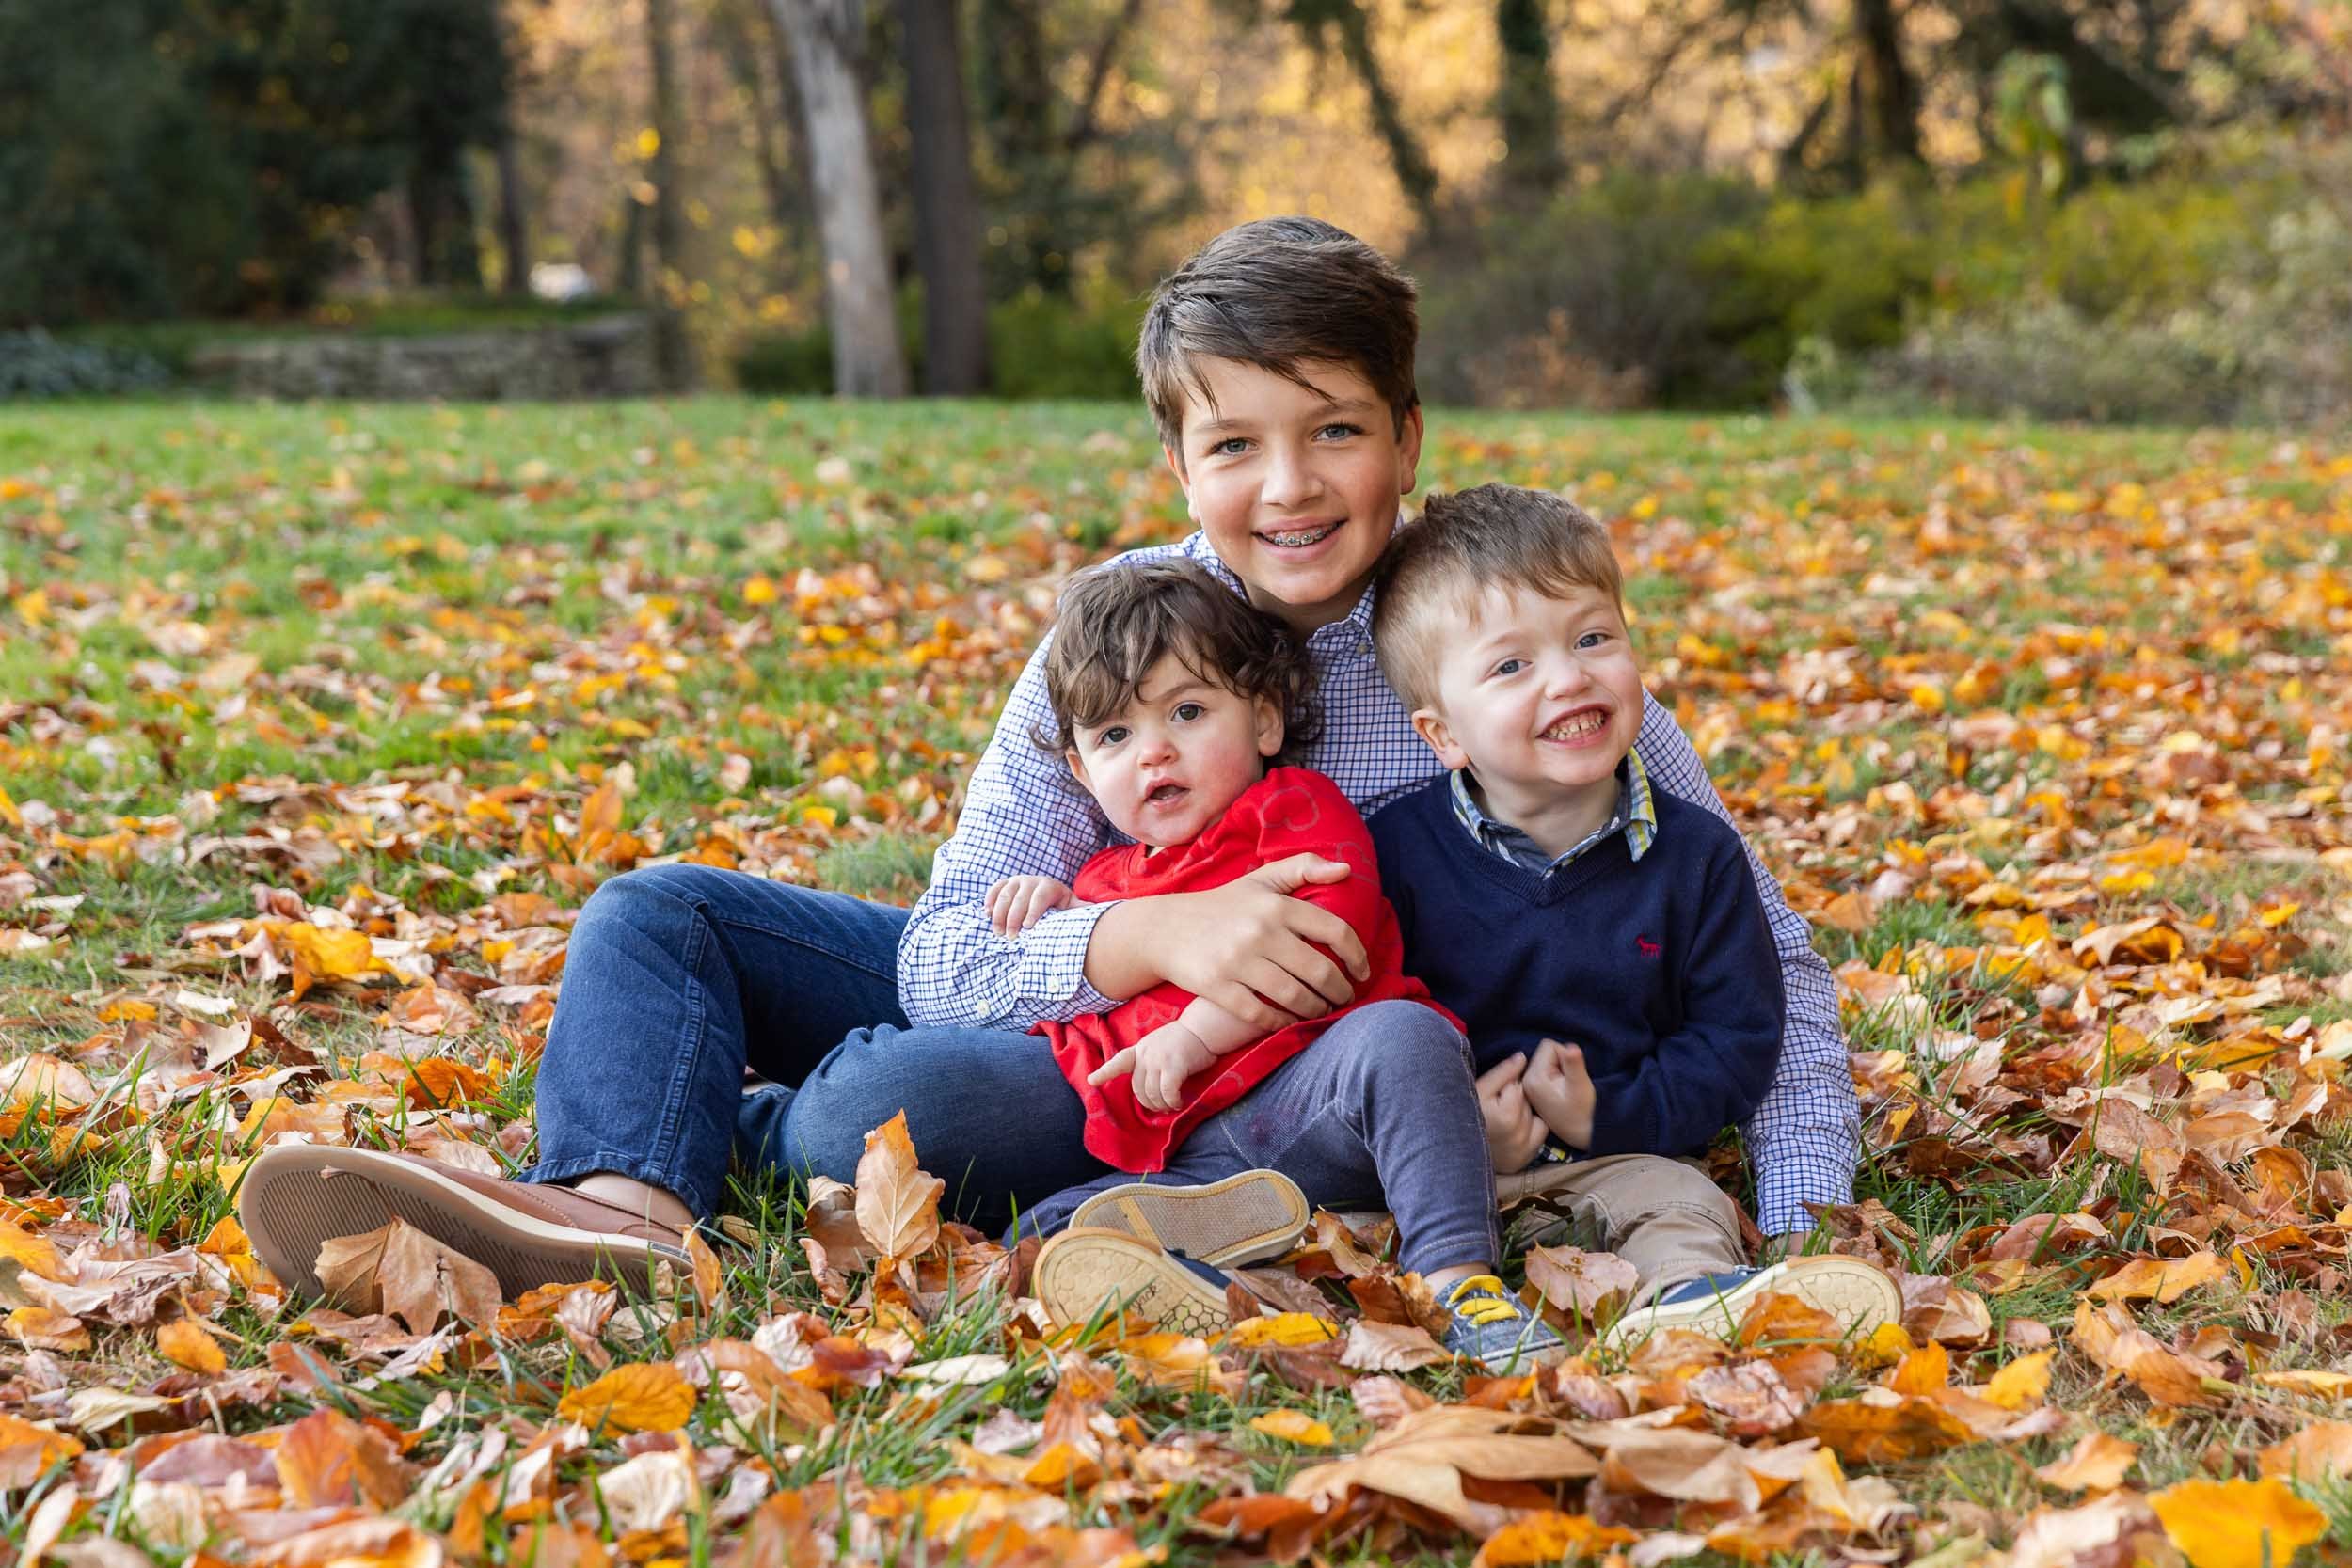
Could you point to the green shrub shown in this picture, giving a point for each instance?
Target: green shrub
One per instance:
(2175, 304)
(1039, 346)
(1601, 299)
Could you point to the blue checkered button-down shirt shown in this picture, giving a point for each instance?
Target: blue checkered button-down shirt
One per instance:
(1023, 815)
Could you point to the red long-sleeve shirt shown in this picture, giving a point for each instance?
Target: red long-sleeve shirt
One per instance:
(1291, 810)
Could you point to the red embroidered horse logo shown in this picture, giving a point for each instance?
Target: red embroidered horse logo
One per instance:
(1648, 946)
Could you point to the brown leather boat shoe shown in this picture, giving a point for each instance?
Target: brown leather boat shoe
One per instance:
(297, 1198)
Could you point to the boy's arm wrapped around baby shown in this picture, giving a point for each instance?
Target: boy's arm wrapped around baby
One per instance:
(1023, 815)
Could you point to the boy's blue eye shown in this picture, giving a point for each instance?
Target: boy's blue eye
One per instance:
(1342, 429)
(1510, 667)
(1228, 446)
(1592, 640)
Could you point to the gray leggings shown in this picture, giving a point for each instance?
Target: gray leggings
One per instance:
(1381, 1112)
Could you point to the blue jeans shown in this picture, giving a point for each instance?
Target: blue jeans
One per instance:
(678, 977)
(1380, 1110)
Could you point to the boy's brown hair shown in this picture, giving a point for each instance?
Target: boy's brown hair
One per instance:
(1279, 293)
(1440, 565)
(1118, 621)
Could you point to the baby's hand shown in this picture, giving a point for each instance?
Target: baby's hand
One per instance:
(1018, 903)
(1560, 1090)
(1514, 1133)
(1161, 1061)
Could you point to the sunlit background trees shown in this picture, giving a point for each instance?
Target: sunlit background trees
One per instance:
(2123, 208)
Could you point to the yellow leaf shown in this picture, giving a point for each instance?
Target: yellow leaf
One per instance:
(54, 1445)
(43, 1328)
(1536, 1539)
(1293, 1426)
(1887, 1345)
(31, 1250)
(2325, 1385)
(761, 590)
(185, 1344)
(2163, 1280)
(2021, 1383)
(1283, 1328)
(1923, 1371)
(2237, 1524)
(329, 955)
(638, 1397)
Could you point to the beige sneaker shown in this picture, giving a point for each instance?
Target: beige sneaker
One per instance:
(1243, 1219)
(1082, 1274)
(1854, 1291)
(297, 1198)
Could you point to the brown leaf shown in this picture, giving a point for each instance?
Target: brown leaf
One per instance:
(1586, 1286)
(316, 1467)
(1750, 1395)
(2098, 1462)
(831, 1217)
(898, 1202)
(1376, 1347)
(421, 1278)
(1883, 1427)
(2321, 1451)
(1424, 1456)
(349, 1269)
(2110, 1339)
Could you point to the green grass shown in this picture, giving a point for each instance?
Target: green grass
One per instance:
(527, 601)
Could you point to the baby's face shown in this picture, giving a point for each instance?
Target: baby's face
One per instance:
(1539, 697)
(1166, 765)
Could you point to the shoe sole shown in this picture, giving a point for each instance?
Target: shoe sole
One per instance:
(1083, 1275)
(296, 1198)
(1243, 1219)
(1859, 1295)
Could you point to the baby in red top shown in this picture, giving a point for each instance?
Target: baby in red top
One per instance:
(1175, 704)
(1178, 755)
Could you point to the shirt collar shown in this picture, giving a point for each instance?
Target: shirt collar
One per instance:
(1636, 816)
(1357, 622)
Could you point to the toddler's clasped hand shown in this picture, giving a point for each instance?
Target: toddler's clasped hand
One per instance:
(1161, 1061)
(1527, 1098)
(1018, 903)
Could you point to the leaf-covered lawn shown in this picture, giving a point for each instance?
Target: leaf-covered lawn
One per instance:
(318, 725)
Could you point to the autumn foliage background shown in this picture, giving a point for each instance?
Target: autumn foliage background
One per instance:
(318, 725)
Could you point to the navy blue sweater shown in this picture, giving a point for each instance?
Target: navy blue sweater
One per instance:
(1662, 970)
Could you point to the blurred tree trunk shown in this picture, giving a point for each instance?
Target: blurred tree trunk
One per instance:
(946, 203)
(828, 41)
(514, 230)
(1527, 106)
(1887, 90)
(668, 225)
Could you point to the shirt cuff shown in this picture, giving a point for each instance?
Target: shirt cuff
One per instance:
(1052, 974)
(1781, 1208)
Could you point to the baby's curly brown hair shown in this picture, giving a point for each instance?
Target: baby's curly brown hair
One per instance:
(1120, 620)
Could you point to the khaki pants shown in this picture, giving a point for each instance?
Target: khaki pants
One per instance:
(1666, 1217)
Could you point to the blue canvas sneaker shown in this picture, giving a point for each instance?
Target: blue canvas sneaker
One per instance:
(1491, 1326)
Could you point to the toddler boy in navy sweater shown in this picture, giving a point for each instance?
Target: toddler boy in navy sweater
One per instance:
(1602, 943)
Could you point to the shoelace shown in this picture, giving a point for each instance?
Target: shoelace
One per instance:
(1487, 1302)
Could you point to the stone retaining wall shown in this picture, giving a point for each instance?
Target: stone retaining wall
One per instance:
(608, 357)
